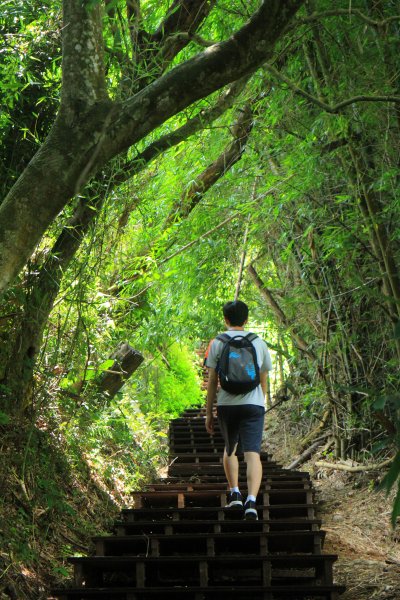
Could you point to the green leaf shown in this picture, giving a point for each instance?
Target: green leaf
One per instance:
(90, 374)
(105, 365)
(379, 403)
(391, 399)
(392, 474)
(61, 571)
(396, 507)
(4, 419)
(380, 445)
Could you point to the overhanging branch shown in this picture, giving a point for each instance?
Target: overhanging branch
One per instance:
(344, 12)
(333, 109)
(201, 75)
(192, 126)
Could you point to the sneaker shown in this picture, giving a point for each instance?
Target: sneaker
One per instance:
(234, 500)
(250, 511)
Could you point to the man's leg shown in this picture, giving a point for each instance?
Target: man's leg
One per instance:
(231, 468)
(251, 430)
(229, 428)
(254, 472)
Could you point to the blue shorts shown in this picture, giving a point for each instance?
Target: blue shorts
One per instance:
(244, 423)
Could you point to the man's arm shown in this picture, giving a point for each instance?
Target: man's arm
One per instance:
(211, 396)
(263, 382)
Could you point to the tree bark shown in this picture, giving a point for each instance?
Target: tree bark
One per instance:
(43, 286)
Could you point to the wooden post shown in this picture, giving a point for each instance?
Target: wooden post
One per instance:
(126, 361)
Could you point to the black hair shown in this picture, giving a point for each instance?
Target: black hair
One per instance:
(236, 312)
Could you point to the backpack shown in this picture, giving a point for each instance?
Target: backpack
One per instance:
(237, 366)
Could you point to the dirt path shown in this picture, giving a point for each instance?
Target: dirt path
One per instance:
(357, 522)
(356, 519)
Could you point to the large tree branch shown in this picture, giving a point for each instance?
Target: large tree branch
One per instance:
(184, 16)
(198, 77)
(48, 280)
(192, 126)
(231, 154)
(75, 151)
(153, 53)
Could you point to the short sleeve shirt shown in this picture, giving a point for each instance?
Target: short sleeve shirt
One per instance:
(256, 396)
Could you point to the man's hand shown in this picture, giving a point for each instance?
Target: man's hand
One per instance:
(211, 395)
(210, 424)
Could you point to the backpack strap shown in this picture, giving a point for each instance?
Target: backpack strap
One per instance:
(223, 337)
(251, 337)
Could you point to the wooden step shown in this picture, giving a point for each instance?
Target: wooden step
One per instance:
(302, 592)
(192, 468)
(207, 457)
(142, 572)
(212, 526)
(210, 544)
(196, 447)
(277, 474)
(267, 484)
(217, 513)
(191, 498)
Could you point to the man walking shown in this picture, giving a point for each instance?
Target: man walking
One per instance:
(240, 415)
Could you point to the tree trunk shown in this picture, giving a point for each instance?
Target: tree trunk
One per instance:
(43, 288)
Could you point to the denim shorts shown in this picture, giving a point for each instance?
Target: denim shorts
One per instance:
(244, 424)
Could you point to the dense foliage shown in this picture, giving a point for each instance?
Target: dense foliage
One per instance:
(294, 169)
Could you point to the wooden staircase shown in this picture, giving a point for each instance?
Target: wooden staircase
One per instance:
(180, 542)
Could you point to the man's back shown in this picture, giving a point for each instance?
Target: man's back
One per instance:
(256, 396)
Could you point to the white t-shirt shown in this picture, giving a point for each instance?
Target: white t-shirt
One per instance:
(256, 396)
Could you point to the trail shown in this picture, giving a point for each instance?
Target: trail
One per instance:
(179, 541)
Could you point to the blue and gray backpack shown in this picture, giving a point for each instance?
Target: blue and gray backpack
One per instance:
(237, 366)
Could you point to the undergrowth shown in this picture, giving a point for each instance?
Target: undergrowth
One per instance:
(66, 472)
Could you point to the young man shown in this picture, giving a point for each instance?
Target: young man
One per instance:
(240, 416)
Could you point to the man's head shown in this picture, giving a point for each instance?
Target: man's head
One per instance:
(235, 313)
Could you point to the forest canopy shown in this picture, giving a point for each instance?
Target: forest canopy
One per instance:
(158, 157)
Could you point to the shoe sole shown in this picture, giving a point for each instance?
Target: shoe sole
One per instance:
(236, 504)
(251, 515)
